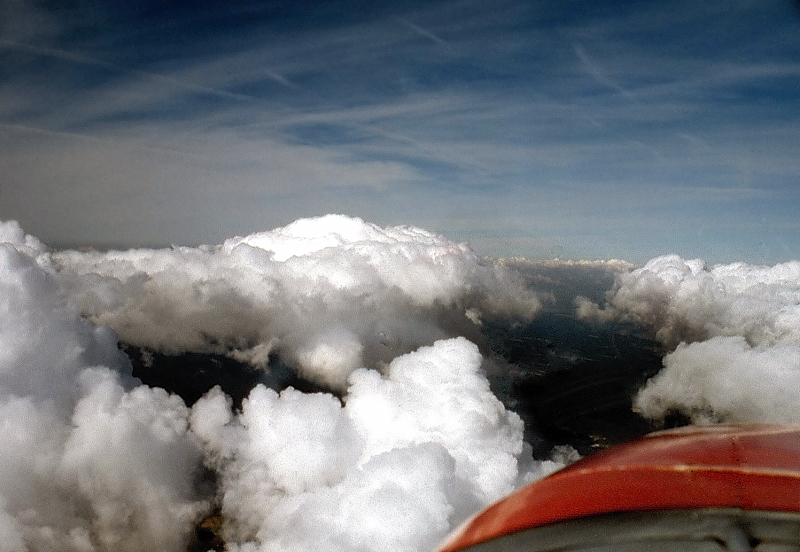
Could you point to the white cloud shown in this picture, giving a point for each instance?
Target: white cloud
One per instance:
(687, 301)
(407, 457)
(95, 461)
(732, 333)
(726, 379)
(329, 294)
(89, 462)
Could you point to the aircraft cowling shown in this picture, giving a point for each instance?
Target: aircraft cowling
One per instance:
(727, 487)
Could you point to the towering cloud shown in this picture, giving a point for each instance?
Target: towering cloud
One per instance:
(413, 442)
(88, 462)
(405, 457)
(733, 332)
(328, 295)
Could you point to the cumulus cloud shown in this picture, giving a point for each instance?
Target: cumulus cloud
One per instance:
(413, 443)
(725, 379)
(687, 301)
(12, 235)
(90, 462)
(732, 332)
(329, 294)
(408, 455)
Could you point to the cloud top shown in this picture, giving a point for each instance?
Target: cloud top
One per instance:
(90, 462)
(328, 294)
(413, 442)
(732, 333)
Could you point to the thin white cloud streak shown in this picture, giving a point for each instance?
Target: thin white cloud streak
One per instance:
(319, 53)
(282, 58)
(193, 178)
(86, 60)
(315, 53)
(420, 30)
(696, 85)
(411, 123)
(523, 139)
(407, 125)
(206, 160)
(599, 73)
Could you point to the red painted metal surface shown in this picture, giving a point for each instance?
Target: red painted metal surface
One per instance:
(752, 467)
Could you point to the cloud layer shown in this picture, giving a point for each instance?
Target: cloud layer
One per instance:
(328, 295)
(732, 333)
(403, 438)
(413, 442)
(545, 128)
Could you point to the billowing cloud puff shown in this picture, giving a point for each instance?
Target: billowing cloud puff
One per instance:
(686, 301)
(12, 235)
(88, 461)
(329, 294)
(725, 379)
(734, 333)
(408, 455)
(93, 460)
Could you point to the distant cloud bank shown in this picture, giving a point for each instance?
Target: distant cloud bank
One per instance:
(388, 324)
(94, 460)
(732, 333)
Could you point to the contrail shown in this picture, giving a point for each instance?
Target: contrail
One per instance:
(599, 74)
(53, 133)
(420, 30)
(84, 60)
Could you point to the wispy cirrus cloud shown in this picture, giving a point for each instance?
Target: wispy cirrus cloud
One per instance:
(421, 112)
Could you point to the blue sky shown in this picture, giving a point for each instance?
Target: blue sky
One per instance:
(551, 128)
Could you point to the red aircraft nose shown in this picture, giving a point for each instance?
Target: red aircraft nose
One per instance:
(732, 487)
